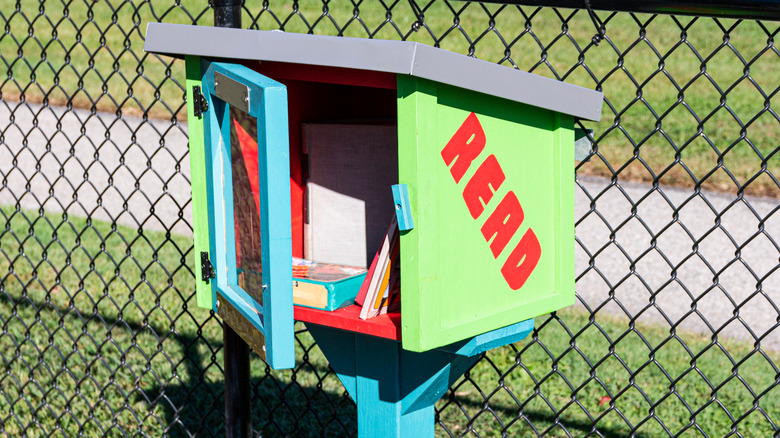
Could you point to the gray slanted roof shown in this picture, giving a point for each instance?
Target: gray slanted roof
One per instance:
(400, 57)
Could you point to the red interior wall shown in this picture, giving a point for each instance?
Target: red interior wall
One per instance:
(320, 94)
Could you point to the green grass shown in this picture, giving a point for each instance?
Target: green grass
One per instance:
(89, 54)
(100, 334)
(626, 389)
(97, 61)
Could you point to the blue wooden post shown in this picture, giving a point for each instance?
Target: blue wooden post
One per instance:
(395, 389)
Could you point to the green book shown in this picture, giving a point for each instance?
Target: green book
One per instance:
(326, 286)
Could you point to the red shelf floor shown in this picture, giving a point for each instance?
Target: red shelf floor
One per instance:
(384, 326)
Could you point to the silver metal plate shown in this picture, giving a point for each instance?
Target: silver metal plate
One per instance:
(248, 332)
(233, 92)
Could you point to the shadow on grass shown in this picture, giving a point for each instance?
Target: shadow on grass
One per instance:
(169, 383)
(307, 401)
(281, 406)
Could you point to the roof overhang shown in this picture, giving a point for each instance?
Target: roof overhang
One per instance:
(399, 57)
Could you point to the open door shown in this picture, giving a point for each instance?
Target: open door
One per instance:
(248, 191)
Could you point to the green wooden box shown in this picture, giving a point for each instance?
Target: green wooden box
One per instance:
(485, 151)
(493, 241)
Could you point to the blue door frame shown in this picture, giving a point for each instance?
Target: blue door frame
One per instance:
(266, 101)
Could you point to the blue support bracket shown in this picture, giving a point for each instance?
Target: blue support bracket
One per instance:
(395, 389)
(403, 209)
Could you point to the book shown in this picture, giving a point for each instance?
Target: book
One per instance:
(392, 297)
(361, 296)
(384, 284)
(326, 286)
(381, 284)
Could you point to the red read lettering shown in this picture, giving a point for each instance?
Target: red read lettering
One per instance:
(503, 223)
(467, 143)
(480, 188)
(522, 260)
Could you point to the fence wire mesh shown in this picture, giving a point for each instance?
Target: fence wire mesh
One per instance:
(675, 330)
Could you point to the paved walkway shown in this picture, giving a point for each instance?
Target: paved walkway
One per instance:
(100, 165)
(116, 170)
(704, 266)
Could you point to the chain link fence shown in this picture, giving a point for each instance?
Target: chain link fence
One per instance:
(675, 332)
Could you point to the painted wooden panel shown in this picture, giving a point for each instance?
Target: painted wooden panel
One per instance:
(349, 203)
(311, 95)
(265, 186)
(203, 291)
(491, 188)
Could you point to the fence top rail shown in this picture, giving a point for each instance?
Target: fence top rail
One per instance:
(743, 9)
(399, 57)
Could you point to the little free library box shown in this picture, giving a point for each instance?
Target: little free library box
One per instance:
(306, 146)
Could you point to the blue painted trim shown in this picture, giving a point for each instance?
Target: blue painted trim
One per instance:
(403, 208)
(268, 104)
(338, 346)
(245, 304)
(427, 376)
(492, 339)
(395, 390)
(275, 218)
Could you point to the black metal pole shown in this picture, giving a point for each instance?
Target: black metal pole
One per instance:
(227, 13)
(238, 400)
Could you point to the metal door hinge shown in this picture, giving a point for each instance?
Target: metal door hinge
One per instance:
(199, 103)
(206, 268)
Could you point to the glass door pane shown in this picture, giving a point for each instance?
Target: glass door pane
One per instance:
(246, 203)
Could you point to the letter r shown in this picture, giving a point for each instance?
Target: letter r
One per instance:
(467, 143)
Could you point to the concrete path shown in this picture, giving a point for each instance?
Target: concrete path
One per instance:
(97, 165)
(706, 267)
(717, 264)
